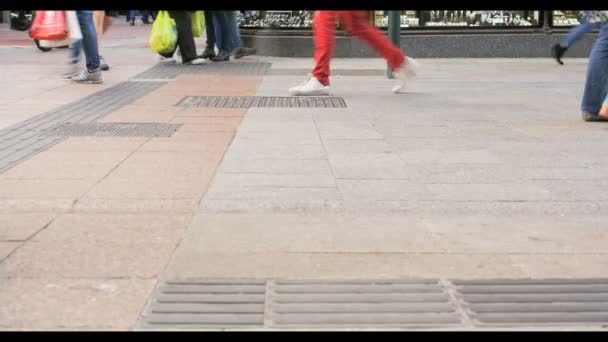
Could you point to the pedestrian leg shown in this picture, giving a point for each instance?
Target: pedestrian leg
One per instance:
(324, 30)
(596, 84)
(355, 22)
(92, 73)
(210, 34)
(99, 20)
(324, 27)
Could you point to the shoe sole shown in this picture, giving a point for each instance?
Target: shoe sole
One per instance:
(317, 93)
(88, 82)
(593, 118)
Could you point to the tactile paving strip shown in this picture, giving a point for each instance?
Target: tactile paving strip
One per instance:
(552, 302)
(27, 138)
(361, 303)
(378, 304)
(198, 304)
(262, 101)
(114, 130)
(334, 72)
(171, 70)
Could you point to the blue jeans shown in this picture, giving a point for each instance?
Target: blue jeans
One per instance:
(144, 15)
(218, 30)
(578, 32)
(88, 43)
(234, 39)
(596, 84)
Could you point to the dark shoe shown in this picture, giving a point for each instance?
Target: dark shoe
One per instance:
(132, 23)
(208, 53)
(103, 65)
(593, 117)
(558, 52)
(243, 51)
(222, 56)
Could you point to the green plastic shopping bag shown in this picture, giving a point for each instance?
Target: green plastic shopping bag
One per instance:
(198, 23)
(164, 33)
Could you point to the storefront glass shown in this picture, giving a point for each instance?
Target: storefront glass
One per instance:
(464, 18)
(567, 18)
(275, 19)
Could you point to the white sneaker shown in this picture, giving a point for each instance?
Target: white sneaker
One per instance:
(163, 59)
(408, 70)
(311, 87)
(198, 61)
(177, 56)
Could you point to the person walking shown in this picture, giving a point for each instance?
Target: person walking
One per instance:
(573, 36)
(594, 103)
(211, 28)
(356, 23)
(131, 16)
(186, 47)
(102, 24)
(88, 44)
(236, 47)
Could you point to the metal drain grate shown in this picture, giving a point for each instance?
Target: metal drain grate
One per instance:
(28, 138)
(364, 303)
(545, 302)
(262, 101)
(114, 130)
(207, 304)
(334, 72)
(170, 71)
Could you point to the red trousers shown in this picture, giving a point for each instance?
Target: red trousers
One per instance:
(355, 23)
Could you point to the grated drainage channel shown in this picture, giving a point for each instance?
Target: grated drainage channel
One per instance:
(197, 304)
(262, 101)
(27, 138)
(360, 304)
(284, 304)
(220, 304)
(114, 130)
(551, 302)
(171, 71)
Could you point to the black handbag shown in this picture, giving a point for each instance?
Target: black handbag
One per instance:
(20, 22)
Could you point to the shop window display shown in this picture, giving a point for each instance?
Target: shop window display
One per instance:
(462, 18)
(275, 19)
(567, 18)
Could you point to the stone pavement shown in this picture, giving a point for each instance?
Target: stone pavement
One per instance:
(482, 170)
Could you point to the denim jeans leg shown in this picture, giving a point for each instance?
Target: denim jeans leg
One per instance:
(223, 33)
(210, 29)
(89, 39)
(75, 50)
(596, 84)
(577, 32)
(234, 40)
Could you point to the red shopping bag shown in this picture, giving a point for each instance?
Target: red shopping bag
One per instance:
(49, 25)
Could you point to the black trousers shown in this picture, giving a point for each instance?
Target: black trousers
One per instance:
(185, 38)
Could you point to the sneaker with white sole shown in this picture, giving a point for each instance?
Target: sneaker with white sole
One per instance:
(198, 61)
(310, 88)
(103, 65)
(405, 72)
(177, 56)
(71, 70)
(89, 77)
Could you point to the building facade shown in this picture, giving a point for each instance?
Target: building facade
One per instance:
(464, 33)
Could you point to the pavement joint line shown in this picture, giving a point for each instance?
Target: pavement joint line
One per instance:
(30, 238)
(109, 172)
